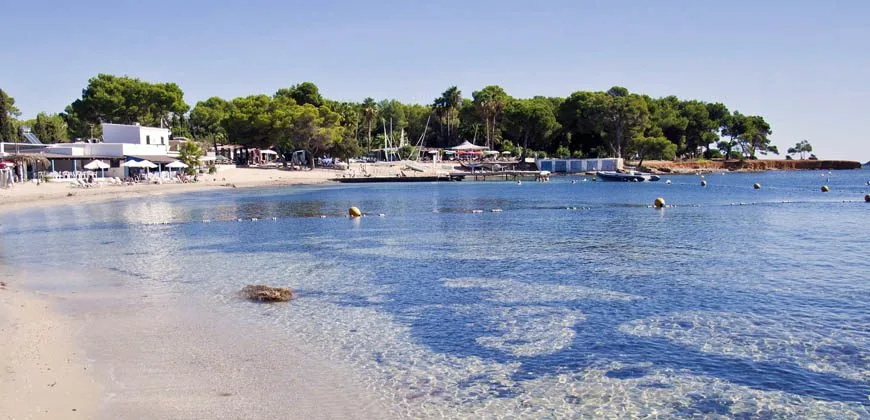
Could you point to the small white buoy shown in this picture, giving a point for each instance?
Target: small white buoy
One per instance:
(703, 183)
(519, 182)
(668, 182)
(573, 181)
(381, 215)
(757, 186)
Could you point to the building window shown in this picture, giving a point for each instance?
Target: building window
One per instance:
(147, 139)
(161, 140)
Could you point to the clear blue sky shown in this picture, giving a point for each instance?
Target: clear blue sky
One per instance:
(803, 65)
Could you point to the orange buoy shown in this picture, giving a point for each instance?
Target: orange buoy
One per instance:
(659, 203)
(354, 212)
(825, 188)
(757, 186)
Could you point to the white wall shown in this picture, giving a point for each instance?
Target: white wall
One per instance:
(156, 136)
(134, 134)
(119, 133)
(107, 149)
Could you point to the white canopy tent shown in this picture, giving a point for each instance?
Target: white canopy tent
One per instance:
(467, 146)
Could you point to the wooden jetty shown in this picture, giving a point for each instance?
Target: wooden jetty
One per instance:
(542, 176)
(421, 178)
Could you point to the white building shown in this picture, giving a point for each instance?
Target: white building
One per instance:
(120, 142)
(135, 134)
(579, 165)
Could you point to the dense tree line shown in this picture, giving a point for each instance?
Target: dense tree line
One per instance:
(612, 123)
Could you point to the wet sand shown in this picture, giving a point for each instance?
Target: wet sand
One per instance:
(115, 352)
(44, 375)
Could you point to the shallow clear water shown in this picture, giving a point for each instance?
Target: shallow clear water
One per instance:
(576, 299)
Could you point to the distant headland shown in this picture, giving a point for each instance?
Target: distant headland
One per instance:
(692, 166)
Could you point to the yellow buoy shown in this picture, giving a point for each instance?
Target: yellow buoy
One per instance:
(703, 183)
(757, 186)
(867, 198)
(354, 212)
(825, 188)
(659, 203)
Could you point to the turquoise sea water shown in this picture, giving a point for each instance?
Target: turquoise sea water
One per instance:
(576, 299)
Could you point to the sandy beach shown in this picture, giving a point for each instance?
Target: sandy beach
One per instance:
(118, 353)
(103, 360)
(31, 195)
(44, 374)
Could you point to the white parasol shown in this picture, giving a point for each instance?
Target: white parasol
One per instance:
(98, 164)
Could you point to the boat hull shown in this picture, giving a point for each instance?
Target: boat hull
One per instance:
(625, 177)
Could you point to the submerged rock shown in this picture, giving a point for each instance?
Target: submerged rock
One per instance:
(263, 293)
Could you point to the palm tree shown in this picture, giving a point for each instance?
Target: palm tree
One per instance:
(490, 102)
(370, 113)
(452, 100)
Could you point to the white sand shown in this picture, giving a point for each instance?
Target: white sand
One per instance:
(29, 195)
(44, 376)
(113, 356)
(118, 353)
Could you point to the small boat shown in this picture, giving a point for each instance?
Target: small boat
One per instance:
(629, 176)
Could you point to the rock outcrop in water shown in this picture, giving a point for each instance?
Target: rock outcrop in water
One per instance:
(263, 293)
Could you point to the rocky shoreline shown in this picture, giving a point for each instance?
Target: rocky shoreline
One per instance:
(698, 166)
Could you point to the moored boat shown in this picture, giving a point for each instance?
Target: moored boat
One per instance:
(629, 176)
